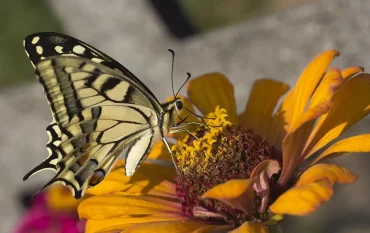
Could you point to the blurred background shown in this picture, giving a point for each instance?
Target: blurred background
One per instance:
(244, 39)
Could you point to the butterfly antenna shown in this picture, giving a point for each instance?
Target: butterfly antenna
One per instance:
(187, 79)
(173, 62)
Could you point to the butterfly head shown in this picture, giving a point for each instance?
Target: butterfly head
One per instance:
(174, 106)
(179, 105)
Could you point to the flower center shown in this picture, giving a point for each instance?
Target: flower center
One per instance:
(217, 155)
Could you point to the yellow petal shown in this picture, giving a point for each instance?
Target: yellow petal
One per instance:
(236, 193)
(279, 125)
(295, 140)
(307, 83)
(149, 178)
(303, 200)
(330, 82)
(214, 229)
(127, 207)
(210, 90)
(160, 152)
(261, 104)
(330, 172)
(351, 102)
(251, 227)
(274, 220)
(59, 198)
(105, 226)
(119, 225)
(356, 144)
(350, 71)
(167, 227)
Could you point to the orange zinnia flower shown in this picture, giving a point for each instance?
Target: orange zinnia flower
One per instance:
(243, 175)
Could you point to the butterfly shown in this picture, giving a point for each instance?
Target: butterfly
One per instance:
(99, 109)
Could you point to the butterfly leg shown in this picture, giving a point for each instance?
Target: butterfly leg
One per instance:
(170, 151)
(191, 123)
(182, 119)
(181, 128)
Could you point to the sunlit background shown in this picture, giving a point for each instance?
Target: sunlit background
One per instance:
(244, 39)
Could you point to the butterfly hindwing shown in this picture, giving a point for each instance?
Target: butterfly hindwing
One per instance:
(50, 163)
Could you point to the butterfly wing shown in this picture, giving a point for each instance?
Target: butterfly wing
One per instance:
(42, 45)
(97, 113)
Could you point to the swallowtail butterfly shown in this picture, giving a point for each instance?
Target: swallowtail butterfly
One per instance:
(99, 109)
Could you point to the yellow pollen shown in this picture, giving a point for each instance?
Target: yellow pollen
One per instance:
(188, 156)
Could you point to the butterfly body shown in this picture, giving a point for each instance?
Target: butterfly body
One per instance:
(99, 110)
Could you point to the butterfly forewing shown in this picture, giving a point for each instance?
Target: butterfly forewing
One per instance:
(72, 84)
(97, 112)
(43, 45)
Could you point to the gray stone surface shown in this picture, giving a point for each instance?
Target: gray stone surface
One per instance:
(277, 46)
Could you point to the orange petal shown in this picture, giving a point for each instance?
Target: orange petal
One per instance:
(166, 226)
(149, 178)
(209, 90)
(356, 144)
(330, 83)
(261, 104)
(351, 103)
(251, 227)
(350, 71)
(236, 193)
(160, 152)
(307, 83)
(127, 207)
(279, 125)
(295, 140)
(330, 172)
(303, 200)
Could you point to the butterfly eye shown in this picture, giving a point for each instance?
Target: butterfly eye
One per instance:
(179, 105)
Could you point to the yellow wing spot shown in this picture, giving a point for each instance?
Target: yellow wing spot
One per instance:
(86, 92)
(69, 69)
(39, 50)
(100, 80)
(69, 55)
(105, 124)
(119, 92)
(97, 60)
(88, 67)
(79, 75)
(78, 49)
(119, 131)
(58, 49)
(87, 102)
(79, 84)
(35, 40)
